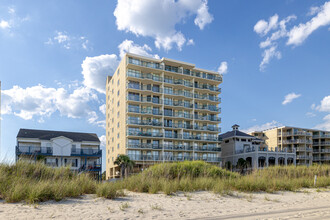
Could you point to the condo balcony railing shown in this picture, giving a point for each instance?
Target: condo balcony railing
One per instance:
(173, 69)
(321, 150)
(145, 146)
(144, 76)
(321, 158)
(145, 88)
(179, 93)
(34, 150)
(206, 97)
(304, 157)
(296, 133)
(307, 149)
(323, 143)
(208, 107)
(144, 122)
(207, 128)
(178, 104)
(145, 111)
(93, 167)
(297, 141)
(209, 87)
(207, 118)
(137, 157)
(178, 82)
(322, 136)
(86, 152)
(144, 133)
(178, 125)
(179, 115)
(153, 100)
(254, 148)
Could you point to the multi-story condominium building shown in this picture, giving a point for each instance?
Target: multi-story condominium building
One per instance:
(80, 151)
(160, 110)
(236, 145)
(311, 145)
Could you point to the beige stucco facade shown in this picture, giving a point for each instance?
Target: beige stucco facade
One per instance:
(312, 146)
(160, 110)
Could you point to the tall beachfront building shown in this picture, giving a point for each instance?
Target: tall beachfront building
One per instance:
(160, 110)
(311, 145)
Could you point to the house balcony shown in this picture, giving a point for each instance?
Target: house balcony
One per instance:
(91, 168)
(90, 152)
(33, 150)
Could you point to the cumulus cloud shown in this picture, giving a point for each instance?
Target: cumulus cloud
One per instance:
(298, 34)
(269, 54)
(103, 141)
(263, 127)
(158, 19)
(324, 106)
(262, 27)
(4, 24)
(310, 114)
(40, 102)
(290, 97)
(128, 46)
(67, 41)
(102, 108)
(190, 42)
(223, 68)
(96, 69)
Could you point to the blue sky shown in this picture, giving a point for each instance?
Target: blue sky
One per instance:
(55, 55)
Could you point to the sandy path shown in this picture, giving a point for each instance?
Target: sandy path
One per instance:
(306, 204)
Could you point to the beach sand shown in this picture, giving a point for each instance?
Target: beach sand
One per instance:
(305, 204)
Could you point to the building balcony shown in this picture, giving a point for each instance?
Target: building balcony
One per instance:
(208, 107)
(178, 104)
(90, 168)
(33, 150)
(304, 157)
(207, 118)
(179, 82)
(179, 93)
(173, 69)
(136, 157)
(296, 133)
(144, 111)
(178, 125)
(144, 122)
(308, 149)
(207, 128)
(208, 87)
(151, 100)
(297, 141)
(145, 76)
(206, 97)
(321, 151)
(153, 89)
(90, 152)
(322, 136)
(178, 115)
(145, 134)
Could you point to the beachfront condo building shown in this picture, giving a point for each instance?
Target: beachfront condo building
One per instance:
(161, 110)
(80, 151)
(311, 145)
(238, 145)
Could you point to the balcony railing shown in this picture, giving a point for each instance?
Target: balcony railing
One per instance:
(173, 69)
(178, 115)
(207, 128)
(144, 76)
(296, 133)
(34, 150)
(322, 136)
(144, 99)
(178, 125)
(321, 150)
(86, 152)
(206, 97)
(179, 93)
(144, 134)
(205, 86)
(178, 82)
(304, 149)
(178, 104)
(144, 122)
(136, 157)
(207, 118)
(297, 141)
(145, 88)
(208, 107)
(145, 111)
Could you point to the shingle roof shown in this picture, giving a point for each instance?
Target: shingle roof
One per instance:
(233, 134)
(47, 135)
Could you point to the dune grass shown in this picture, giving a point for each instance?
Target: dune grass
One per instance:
(34, 183)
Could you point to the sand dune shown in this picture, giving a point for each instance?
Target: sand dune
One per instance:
(305, 204)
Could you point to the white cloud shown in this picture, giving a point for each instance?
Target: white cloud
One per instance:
(299, 34)
(263, 127)
(102, 108)
(103, 141)
(262, 27)
(223, 68)
(290, 97)
(190, 42)
(67, 41)
(310, 114)
(40, 102)
(96, 69)
(128, 46)
(4, 24)
(313, 10)
(325, 105)
(269, 54)
(158, 19)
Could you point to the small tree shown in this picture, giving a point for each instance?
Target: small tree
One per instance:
(124, 162)
(242, 164)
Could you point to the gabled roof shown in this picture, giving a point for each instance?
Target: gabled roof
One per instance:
(47, 135)
(234, 133)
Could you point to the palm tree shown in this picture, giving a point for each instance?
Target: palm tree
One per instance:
(241, 163)
(125, 163)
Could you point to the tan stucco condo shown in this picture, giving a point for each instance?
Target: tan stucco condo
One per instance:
(161, 110)
(311, 145)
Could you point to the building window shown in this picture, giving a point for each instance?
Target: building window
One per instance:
(112, 149)
(118, 92)
(118, 82)
(117, 146)
(118, 135)
(118, 114)
(118, 125)
(118, 103)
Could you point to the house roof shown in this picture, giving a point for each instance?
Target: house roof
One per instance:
(47, 135)
(236, 133)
